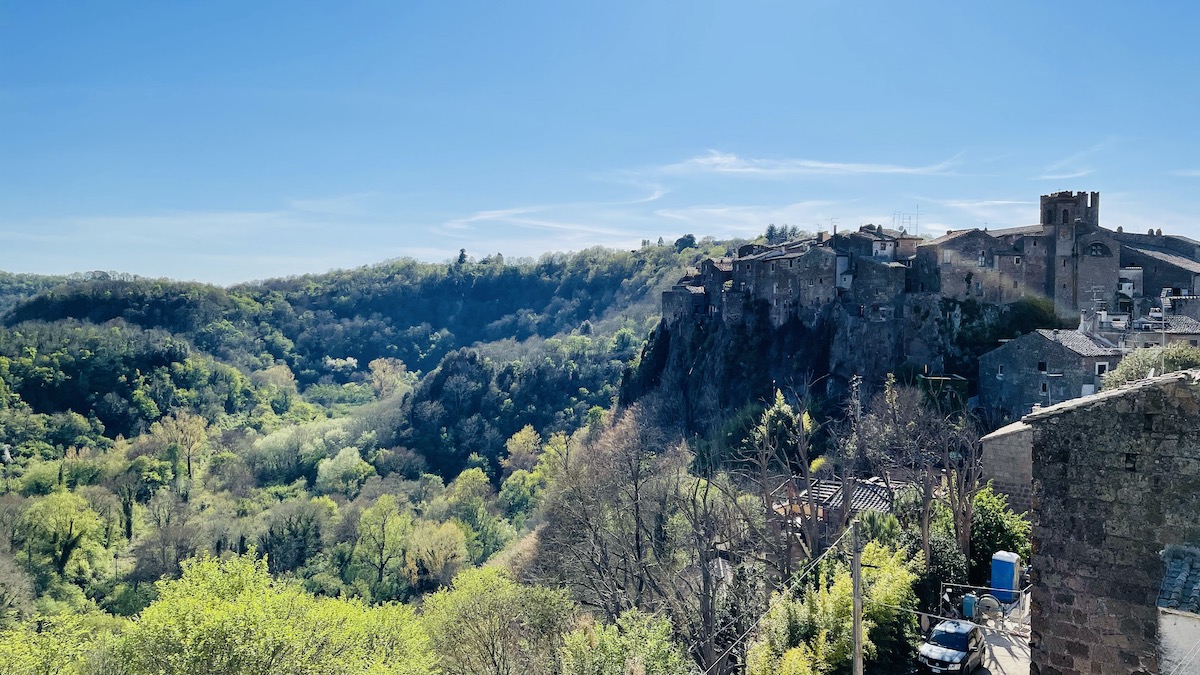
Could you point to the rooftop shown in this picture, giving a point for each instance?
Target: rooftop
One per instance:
(1016, 231)
(869, 495)
(949, 236)
(1170, 258)
(1180, 588)
(1014, 428)
(1183, 376)
(1081, 343)
(1175, 324)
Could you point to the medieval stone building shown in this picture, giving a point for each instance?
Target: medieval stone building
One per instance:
(1116, 580)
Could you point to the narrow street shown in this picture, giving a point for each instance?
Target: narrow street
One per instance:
(1009, 654)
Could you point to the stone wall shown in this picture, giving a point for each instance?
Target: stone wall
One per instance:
(1013, 392)
(1008, 463)
(1116, 480)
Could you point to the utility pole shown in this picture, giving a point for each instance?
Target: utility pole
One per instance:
(856, 576)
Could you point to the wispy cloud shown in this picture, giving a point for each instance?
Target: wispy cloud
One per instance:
(716, 162)
(1077, 165)
(996, 212)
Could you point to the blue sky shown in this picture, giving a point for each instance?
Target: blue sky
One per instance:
(229, 141)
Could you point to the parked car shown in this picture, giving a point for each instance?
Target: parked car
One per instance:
(954, 647)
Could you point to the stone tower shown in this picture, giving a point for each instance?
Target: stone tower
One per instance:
(1067, 216)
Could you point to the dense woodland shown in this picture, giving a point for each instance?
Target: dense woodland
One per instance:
(423, 468)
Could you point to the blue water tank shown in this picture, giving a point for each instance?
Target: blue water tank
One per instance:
(968, 605)
(1006, 576)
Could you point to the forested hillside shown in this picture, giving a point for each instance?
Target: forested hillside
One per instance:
(424, 468)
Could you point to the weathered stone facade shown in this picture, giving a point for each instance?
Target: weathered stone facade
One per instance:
(1008, 463)
(1116, 481)
(1043, 367)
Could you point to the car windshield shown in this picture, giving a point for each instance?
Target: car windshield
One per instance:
(956, 641)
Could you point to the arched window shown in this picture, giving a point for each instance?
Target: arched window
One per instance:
(1099, 250)
(1066, 215)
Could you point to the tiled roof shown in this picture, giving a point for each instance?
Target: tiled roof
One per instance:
(1014, 428)
(1171, 259)
(1190, 376)
(949, 236)
(868, 496)
(1176, 324)
(1080, 343)
(1016, 231)
(1181, 583)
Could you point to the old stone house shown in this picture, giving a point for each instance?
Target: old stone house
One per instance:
(1116, 499)
(1007, 458)
(1043, 367)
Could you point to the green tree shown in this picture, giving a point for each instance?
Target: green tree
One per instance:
(382, 533)
(1139, 363)
(995, 527)
(637, 643)
(45, 645)
(343, 474)
(812, 631)
(230, 617)
(60, 524)
(487, 624)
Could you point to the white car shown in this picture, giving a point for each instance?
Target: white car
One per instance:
(954, 647)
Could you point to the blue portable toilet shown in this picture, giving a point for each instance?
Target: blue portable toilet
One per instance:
(1006, 576)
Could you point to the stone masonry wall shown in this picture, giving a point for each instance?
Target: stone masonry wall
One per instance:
(1116, 479)
(1008, 463)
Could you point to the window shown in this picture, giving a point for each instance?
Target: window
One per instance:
(1014, 283)
(821, 281)
(1017, 260)
(772, 267)
(1035, 242)
(1045, 388)
(1000, 369)
(810, 283)
(978, 286)
(1064, 262)
(882, 246)
(1098, 250)
(1194, 343)
(1101, 367)
(1041, 366)
(1066, 216)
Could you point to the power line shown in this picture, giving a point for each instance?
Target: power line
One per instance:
(1187, 660)
(789, 587)
(1001, 631)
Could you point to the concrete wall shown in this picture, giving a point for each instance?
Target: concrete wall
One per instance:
(1008, 463)
(1178, 635)
(1116, 480)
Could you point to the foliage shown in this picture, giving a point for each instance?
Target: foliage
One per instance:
(487, 624)
(231, 617)
(811, 631)
(637, 643)
(995, 527)
(1139, 363)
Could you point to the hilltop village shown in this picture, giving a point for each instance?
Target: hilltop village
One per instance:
(1125, 289)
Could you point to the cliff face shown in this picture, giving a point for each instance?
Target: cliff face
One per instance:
(708, 369)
